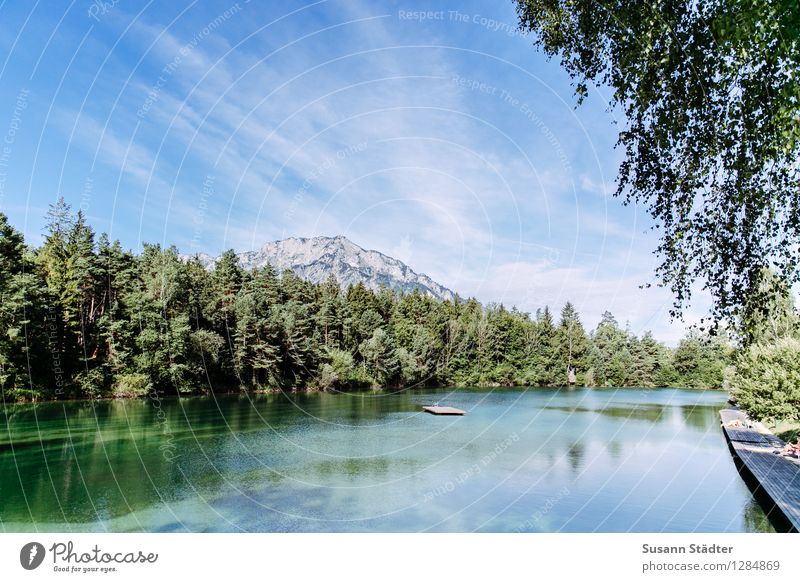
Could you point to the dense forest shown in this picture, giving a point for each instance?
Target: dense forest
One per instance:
(81, 317)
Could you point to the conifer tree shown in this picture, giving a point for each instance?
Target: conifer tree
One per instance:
(572, 344)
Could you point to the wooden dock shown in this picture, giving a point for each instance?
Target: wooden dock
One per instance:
(775, 475)
(443, 410)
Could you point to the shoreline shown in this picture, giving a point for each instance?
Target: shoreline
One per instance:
(386, 390)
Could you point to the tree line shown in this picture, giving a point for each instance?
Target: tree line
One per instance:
(82, 317)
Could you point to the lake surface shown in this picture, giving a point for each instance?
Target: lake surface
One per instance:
(521, 460)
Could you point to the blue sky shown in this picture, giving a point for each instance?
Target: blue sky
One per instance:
(431, 131)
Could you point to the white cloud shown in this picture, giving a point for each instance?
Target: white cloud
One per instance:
(532, 285)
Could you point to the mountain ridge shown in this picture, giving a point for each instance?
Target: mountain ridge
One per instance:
(316, 258)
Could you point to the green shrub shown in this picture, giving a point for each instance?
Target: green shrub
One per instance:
(766, 380)
(341, 372)
(327, 378)
(131, 385)
(91, 383)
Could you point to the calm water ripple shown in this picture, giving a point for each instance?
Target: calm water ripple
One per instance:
(520, 460)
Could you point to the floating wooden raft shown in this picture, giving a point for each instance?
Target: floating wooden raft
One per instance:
(776, 475)
(443, 410)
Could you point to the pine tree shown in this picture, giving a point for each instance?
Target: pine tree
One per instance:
(115, 333)
(700, 360)
(83, 305)
(301, 343)
(419, 364)
(572, 344)
(610, 356)
(159, 307)
(331, 313)
(226, 280)
(257, 345)
(550, 369)
(61, 302)
(23, 325)
(380, 358)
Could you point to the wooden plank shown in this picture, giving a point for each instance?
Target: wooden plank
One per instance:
(777, 476)
(443, 410)
(747, 436)
(737, 428)
(731, 414)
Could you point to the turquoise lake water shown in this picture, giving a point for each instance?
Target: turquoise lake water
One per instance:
(520, 460)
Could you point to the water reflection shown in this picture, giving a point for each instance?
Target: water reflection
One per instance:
(575, 454)
(703, 418)
(373, 462)
(614, 449)
(650, 413)
(755, 520)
